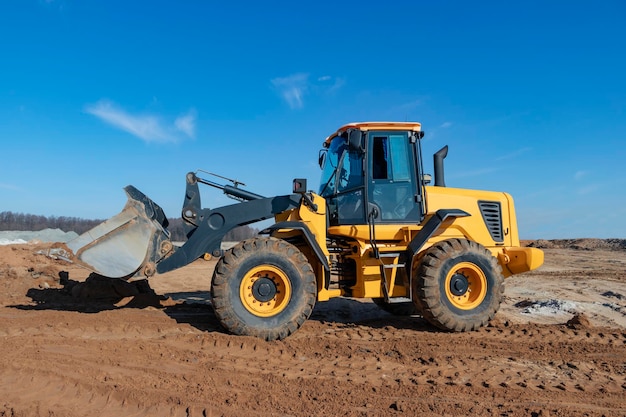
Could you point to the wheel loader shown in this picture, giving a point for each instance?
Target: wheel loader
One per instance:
(376, 228)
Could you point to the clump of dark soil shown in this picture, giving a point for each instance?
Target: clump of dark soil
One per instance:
(578, 322)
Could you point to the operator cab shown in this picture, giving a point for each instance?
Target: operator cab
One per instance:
(370, 172)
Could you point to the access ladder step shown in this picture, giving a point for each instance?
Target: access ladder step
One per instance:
(391, 255)
(395, 300)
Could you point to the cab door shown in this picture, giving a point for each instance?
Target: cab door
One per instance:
(393, 188)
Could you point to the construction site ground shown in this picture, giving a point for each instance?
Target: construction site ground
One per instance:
(72, 346)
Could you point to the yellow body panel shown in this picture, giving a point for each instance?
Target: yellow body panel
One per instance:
(369, 285)
(315, 220)
(473, 227)
(522, 260)
(395, 237)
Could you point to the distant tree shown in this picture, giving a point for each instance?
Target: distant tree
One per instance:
(177, 232)
(30, 222)
(240, 233)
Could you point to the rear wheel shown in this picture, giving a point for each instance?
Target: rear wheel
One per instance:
(459, 285)
(263, 287)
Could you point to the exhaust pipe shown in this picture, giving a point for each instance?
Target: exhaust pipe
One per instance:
(438, 158)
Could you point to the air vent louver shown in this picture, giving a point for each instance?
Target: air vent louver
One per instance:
(492, 215)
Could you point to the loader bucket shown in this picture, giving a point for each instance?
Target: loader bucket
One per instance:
(128, 244)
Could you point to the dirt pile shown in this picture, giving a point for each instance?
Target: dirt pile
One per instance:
(74, 344)
(578, 244)
(45, 235)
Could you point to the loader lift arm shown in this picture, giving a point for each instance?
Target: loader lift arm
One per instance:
(136, 243)
(205, 228)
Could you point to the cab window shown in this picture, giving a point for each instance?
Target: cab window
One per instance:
(392, 188)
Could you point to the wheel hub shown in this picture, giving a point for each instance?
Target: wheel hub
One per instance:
(459, 284)
(264, 289)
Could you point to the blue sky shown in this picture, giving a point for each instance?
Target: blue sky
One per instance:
(530, 97)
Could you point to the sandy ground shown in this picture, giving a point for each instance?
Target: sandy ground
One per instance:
(69, 348)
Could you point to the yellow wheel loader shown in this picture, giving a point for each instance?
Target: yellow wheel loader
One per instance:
(375, 229)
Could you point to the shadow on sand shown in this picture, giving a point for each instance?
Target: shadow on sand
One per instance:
(98, 293)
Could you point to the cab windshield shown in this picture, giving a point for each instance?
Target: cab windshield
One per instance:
(329, 170)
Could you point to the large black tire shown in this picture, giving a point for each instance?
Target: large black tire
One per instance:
(263, 287)
(397, 309)
(458, 285)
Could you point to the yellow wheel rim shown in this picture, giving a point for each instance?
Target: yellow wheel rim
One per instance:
(265, 291)
(466, 286)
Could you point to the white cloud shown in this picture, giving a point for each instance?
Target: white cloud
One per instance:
(588, 189)
(292, 88)
(58, 4)
(148, 127)
(514, 154)
(187, 123)
(9, 187)
(329, 84)
(580, 174)
(446, 125)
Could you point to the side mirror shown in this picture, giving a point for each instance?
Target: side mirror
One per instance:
(322, 158)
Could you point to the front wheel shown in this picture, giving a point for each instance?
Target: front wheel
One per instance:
(458, 285)
(263, 287)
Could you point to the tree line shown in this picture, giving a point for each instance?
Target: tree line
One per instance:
(32, 222)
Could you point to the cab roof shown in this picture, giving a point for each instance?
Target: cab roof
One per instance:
(366, 126)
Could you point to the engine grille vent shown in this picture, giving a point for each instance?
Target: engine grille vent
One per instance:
(492, 215)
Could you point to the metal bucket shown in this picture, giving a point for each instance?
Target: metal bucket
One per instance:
(128, 244)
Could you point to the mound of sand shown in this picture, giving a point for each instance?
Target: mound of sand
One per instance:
(46, 235)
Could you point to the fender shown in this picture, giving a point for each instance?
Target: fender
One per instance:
(426, 232)
(310, 240)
